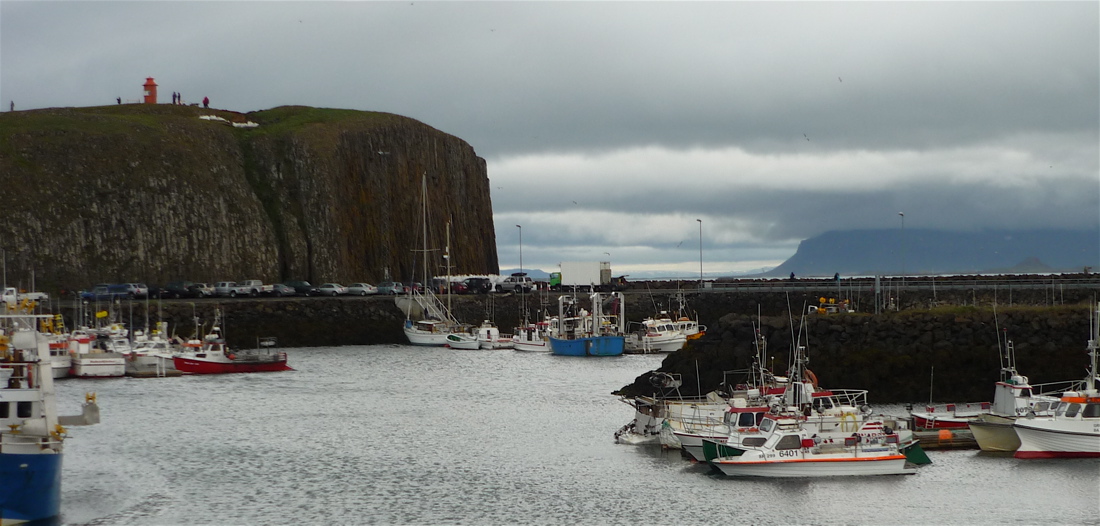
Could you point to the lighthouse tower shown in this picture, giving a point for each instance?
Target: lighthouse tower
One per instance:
(150, 91)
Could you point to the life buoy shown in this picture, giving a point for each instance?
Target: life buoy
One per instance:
(812, 377)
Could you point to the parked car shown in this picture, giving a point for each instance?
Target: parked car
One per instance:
(254, 287)
(301, 287)
(157, 292)
(97, 293)
(137, 290)
(515, 283)
(414, 286)
(362, 289)
(440, 286)
(229, 289)
(202, 290)
(478, 285)
(280, 290)
(391, 287)
(179, 289)
(332, 289)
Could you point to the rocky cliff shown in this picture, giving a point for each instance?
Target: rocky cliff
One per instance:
(153, 193)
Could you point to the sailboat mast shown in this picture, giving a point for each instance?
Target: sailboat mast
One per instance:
(424, 225)
(447, 257)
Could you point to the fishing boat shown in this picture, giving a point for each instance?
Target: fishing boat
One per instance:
(31, 435)
(803, 435)
(948, 416)
(1073, 430)
(785, 447)
(212, 355)
(590, 333)
(489, 336)
(1013, 397)
(152, 353)
(655, 416)
(92, 361)
(532, 337)
(655, 335)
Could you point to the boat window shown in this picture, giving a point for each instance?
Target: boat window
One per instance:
(753, 441)
(746, 420)
(789, 442)
(822, 404)
(766, 425)
(1059, 409)
(1025, 392)
(759, 418)
(1072, 410)
(23, 410)
(1091, 411)
(1042, 406)
(727, 418)
(5, 412)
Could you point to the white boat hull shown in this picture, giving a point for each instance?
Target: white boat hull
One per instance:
(1055, 438)
(425, 338)
(532, 346)
(753, 464)
(99, 365)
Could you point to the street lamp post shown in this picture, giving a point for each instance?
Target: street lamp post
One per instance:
(523, 282)
(902, 214)
(700, 253)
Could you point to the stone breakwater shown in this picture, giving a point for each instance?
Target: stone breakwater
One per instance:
(947, 354)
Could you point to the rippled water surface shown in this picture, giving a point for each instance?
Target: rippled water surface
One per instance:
(406, 435)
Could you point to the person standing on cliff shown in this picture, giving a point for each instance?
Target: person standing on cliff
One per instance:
(206, 102)
(118, 100)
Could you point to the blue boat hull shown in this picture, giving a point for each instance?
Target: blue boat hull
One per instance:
(592, 346)
(30, 488)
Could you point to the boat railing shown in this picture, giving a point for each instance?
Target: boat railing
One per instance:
(17, 443)
(849, 397)
(1055, 389)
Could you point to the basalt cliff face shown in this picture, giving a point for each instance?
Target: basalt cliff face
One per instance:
(153, 193)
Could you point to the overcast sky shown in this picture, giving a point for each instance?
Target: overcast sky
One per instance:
(610, 128)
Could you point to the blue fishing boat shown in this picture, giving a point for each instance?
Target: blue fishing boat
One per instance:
(590, 346)
(31, 438)
(594, 332)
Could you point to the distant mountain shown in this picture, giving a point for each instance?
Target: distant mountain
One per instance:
(533, 273)
(916, 251)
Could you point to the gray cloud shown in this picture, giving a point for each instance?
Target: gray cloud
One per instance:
(772, 122)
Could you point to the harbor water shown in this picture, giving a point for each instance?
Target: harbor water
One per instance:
(394, 434)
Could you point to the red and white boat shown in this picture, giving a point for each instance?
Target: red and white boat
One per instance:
(1073, 431)
(213, 356)
(948, 416)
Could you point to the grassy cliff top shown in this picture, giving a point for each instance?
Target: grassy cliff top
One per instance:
(125, 118)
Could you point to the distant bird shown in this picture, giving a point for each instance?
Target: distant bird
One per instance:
(804, 135)
(678, 244)
(840, 79)
(574, 202)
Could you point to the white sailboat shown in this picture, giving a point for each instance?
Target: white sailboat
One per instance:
(436, 324)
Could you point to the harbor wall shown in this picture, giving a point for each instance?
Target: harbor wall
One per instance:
(947, 353)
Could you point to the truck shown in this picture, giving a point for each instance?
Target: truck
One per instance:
(255, 287)
(13, 296)
(582, 275)
(229, 289)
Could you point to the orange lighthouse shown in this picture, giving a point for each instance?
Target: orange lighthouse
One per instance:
(150, 91)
